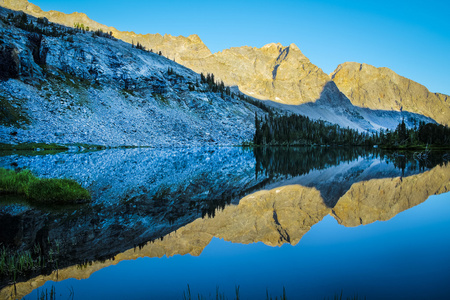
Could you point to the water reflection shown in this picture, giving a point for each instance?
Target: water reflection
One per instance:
(165, 202)
(333, 170)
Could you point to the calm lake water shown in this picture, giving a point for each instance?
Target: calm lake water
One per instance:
(315, 221)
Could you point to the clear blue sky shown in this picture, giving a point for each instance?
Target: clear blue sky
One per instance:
(410, 37)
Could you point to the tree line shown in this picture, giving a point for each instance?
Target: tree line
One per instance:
(298, 130)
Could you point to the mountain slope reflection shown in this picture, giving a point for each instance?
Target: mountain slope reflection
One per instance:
(277, 216)
(334, 171)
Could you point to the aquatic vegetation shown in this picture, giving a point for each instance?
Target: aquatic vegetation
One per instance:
(50, 294)
(44, 191)
(19, 263)
(15, 182)
(340, 297)
(57, 191)
(187, 295)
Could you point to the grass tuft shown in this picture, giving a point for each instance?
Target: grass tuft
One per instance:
(43, 191)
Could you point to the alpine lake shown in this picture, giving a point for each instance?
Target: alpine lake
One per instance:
(232, 223)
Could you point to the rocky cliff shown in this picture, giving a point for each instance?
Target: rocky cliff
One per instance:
(381, 88)
(284, 75)
(179, 48)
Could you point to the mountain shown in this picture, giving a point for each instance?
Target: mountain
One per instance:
(381, 88)
(71, 87)
(283, 75)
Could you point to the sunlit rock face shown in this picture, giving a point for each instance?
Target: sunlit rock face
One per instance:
(139, 195)
(174, 47)
(274, 72)
(381, 88)
(382, 199)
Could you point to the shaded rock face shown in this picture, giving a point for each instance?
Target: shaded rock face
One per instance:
(139, 195)
(9, 61)
(80, 88)
(381, 88)
(281, 74)
(38, 48)
(274, 217)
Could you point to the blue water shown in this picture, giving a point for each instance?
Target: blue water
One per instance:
(407, 257)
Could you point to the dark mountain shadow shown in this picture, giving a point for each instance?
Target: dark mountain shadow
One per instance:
(334, 107)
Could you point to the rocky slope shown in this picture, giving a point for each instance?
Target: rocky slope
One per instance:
(381, 88)
(280, 74)
(84, 88)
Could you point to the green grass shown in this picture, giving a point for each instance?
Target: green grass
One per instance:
(42, 191)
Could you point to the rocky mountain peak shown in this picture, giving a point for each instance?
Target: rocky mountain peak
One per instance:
(195, 38)
(22, 5)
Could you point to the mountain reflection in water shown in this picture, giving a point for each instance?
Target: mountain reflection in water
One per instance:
(151, 203)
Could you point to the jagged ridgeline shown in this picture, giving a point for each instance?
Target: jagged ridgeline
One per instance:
(297, 130)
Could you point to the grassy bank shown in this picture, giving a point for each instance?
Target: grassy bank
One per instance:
(43, 191)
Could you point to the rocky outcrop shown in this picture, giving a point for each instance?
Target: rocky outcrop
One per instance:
(273, 72)
(381, 88)
(139, 195)
(179, 48)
